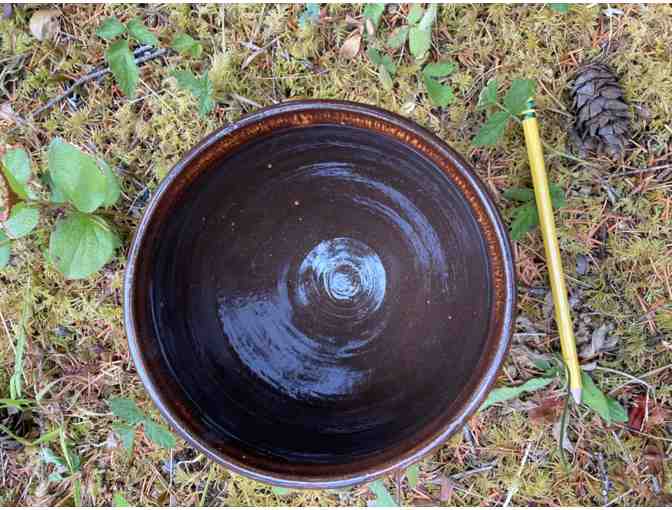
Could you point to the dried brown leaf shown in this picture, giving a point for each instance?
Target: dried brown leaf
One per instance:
(351, 45)
(447, 489)
(547, 411)
(44, 23)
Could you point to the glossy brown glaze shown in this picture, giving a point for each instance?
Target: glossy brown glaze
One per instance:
(319, 294)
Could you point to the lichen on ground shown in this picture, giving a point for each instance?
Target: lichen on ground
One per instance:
(615, 234)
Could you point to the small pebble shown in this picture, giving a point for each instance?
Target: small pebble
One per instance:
(581, 264)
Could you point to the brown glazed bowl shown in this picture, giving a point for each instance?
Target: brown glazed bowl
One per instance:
(319, 294)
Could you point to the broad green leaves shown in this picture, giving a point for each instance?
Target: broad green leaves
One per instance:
(383, 496)
(558, 7)
(187, 45)
(81, 244)
(22, 220)
(398, 38)
(158, 434)
(492, 130)
(131, 416)
(488, 96)
(526, 216)
(141, 33)
(515, 103)
(119, 56)
(77, 176)
(515, 100)
(5, 250)
(439, 94)
(608, 408)
(16, 169)
(386, 67)
(118, 500)
(420, 35)
(123, 67)
(201, 88)
(110, 28)
(126, 410)
(504, 394)
(412, 475)
(373, 13)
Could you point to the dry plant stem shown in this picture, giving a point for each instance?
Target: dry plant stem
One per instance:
(94, 75)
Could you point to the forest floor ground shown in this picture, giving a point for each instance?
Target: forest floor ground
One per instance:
(615, 234)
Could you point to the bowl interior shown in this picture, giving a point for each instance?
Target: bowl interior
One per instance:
(320, 298)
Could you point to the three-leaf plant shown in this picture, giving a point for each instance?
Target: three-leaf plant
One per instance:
(515, 103)
(119, 56)
(130, 415)
(440, 94)
(201, 88)
(81, 242)
(526, 216)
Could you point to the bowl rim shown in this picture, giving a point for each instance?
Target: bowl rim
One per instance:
(505, 286)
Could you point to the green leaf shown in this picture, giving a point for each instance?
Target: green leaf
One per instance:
(186, 80)
(16, 169)
(77, 176)
(440, 95)
(374, 12)
(201, 88)
(415, 14)
(375, 56)
(81, 244)
(419, 41)
(385, 60)
(428, 19)
(488, 96)
(310, 15)
(385, 78)
(616, 411)
(126, 433)
(557, 196)
(158, 435)
(438, 69)
(123, 67)
(113, 191)
(280, 491)
(420, 36)
(525, 219)
(519, 194)
(119, 500)
(22, 220)
(383, 496)
(187, 45)
(127, 410)
(16, 380)
(412, 475)
(593, 397)
(138, 31)
(563, 8)
(398, 38)
(492, 130)
(50, 458)
(518, 94)
(5, 249)
(110, 28)
(504, 394)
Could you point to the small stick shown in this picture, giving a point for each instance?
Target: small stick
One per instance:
(94, 75)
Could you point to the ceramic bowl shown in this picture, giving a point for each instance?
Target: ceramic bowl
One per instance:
(319, 294)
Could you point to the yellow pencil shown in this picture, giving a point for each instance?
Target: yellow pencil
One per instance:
(553, 261)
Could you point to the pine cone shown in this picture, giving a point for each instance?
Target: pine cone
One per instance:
(602, 120)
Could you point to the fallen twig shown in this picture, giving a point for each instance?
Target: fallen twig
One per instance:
(141, 58)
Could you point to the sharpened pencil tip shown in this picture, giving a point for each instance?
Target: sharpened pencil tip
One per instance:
(576, 393)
